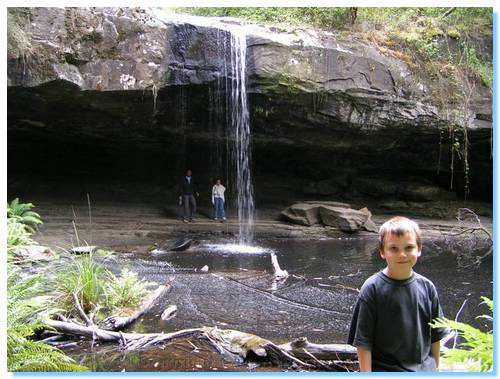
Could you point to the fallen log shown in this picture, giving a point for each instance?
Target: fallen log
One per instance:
(320, 351)
(117, 322)
(74, 329)
(235, 344)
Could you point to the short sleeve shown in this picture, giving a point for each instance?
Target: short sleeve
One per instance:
(437, 334)
(361, 333)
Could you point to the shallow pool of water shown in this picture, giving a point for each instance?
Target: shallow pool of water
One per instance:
(239, 290)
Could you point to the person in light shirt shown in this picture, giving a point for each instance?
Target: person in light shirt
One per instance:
(218, 201)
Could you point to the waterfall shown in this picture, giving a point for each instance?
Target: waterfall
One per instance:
(232, 61)
(240, 130)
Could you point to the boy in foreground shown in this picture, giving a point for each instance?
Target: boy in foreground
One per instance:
(390, 325)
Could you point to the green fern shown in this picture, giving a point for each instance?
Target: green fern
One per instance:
(23, 214)
(98, 290)
(17, 237)
(124, 291)
(23, 353)
(477, 345)
(21, 223)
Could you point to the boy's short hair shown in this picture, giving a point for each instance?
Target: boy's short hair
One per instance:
(399, 226)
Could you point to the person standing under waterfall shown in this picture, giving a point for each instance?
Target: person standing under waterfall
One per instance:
(188, 196)
(218, 201)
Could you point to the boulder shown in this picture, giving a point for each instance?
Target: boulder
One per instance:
(369, 225)
(330, 213)
(302, 214)
(345, 219)
(35, 253)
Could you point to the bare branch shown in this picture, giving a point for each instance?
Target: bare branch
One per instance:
(81, 312)
(449, 11)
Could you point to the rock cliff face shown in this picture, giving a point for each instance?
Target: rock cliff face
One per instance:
(116, 93)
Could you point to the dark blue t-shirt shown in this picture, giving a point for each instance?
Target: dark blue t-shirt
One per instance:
(391, 319)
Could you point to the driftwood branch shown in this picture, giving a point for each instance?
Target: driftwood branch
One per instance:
(278, 272)
(283, 356)
(234, 343)
(449, 11)
(324, 365)
(81, 312)
(320, 351)
(472, 230)
(117, 322)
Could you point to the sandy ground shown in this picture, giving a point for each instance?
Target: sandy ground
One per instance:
(137, 227)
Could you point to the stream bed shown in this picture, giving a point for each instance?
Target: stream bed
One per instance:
(240, 292)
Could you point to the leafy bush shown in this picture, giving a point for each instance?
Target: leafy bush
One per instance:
(23, 353)
(482, 69)
(20, 225)
(477, 345)
(321, 17)
(84, 278)
(97, 289)
(17, 237)
(125, 291)
(23, 214)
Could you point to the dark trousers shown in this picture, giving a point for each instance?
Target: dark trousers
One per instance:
(189, 205)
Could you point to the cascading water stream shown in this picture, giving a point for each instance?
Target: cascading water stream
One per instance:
(240, 127)
(237, 113)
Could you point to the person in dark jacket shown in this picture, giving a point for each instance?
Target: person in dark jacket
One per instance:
(188, 196)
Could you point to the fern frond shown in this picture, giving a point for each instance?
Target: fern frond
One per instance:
(23, 214)
(477, 345)
(488, 302)
(23, 309)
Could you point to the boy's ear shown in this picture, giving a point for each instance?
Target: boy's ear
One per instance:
(419, 253)
(381, 252)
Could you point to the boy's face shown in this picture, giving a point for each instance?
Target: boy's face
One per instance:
(401, 254)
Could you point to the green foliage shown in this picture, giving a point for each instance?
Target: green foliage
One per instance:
(477, 345)
(21, 221)
(321, 17)
(124, 291)
(98, 290)
(84, 278)
(482, 69)
(23, 353)
(17, 237)
(395, 18)
(23, 214)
